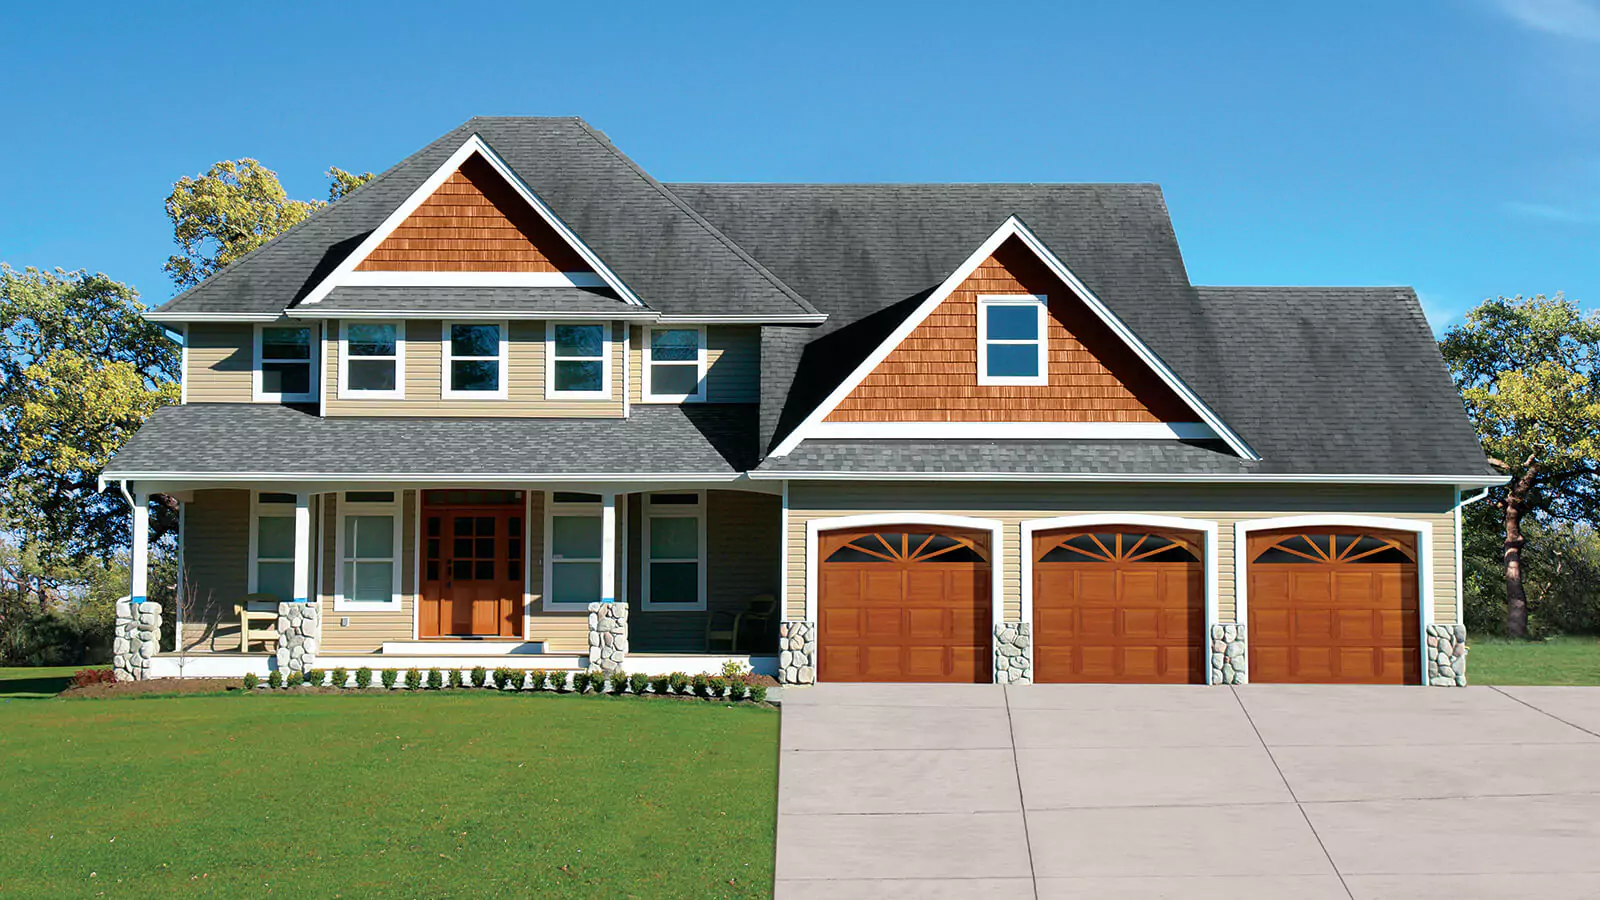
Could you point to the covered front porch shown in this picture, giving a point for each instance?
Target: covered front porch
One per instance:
(651, 576)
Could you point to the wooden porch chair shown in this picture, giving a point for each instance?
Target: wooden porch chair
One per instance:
(258, 620)
(759, 609)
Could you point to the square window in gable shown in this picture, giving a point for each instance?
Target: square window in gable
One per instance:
(1013, 340)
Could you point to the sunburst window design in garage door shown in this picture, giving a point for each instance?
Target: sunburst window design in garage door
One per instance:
(1336, 548)
(907, 547)
(1120, 547)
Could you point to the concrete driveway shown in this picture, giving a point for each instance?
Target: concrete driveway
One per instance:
(1108, 791)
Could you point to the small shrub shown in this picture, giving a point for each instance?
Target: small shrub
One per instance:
(701, 685)
(275, 680)
(619, 683)
(580, 681)
(363, 677)
(660, 684)
(413, 679)
(389, 676)
(435, 679)
(341, 677)
(758, 693)
(737, 689)
(295, 679)
(639, 681)
(455, 678)
(251, 680)
(315, 677)
(537, 679)
(86, 677)
(716, 684)
(507, 679)
(479, 676)
(733, 670)
(679, 682)
(558, 682)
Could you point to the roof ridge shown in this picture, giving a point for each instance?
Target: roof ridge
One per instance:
(694, 214)
(926, 184)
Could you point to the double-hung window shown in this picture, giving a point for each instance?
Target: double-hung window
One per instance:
(475, 355)
(285, 370)
(272, 546)
(675, 365)
(1013, 345)
(372, 359)
(368, 547)
(675, 547)
(578, 360)
(573, 549)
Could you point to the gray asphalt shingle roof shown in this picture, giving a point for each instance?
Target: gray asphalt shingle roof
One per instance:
(227, 438)
(552, 300)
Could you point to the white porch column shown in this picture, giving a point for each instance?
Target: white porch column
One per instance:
(137, 629)
(608, 619)
(608, 547)
(297, 619)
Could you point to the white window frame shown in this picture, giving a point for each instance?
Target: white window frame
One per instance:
(1042, 309)
(348, 393)
(676, 511)
(258, 510)
(393, 509)
(550, 363)
(313, 379)
(446, 390)
(588, 509)
(649, 393)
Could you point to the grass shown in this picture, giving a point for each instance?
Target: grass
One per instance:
(1560, 660)
(36, 683)
(446, 794)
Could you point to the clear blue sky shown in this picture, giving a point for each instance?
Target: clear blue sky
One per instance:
(1450, 145)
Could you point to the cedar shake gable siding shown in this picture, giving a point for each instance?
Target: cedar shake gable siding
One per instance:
(474, 222)
(932, 376)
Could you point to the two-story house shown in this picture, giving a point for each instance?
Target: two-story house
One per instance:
(517, 403)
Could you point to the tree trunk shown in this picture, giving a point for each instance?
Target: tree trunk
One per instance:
(1516, 504)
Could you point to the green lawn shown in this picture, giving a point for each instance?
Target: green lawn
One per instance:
(1562, 660)
(34, 683)
(467, 794)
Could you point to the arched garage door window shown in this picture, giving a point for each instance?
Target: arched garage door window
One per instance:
(908, 547)
(1117, 547)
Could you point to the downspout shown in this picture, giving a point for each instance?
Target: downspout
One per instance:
(1461, 590)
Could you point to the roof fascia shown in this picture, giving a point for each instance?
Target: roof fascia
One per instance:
(1458, 480)
(473, 145)
(1011, 227)
(180, 316)
(444, 313)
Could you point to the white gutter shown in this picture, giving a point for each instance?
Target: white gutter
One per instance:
(1470, 480)
(314, 313)
(446, 478)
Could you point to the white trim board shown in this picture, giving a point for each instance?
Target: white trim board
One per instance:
(608, 350)
(1210, 559)
(1013, 227)
(1422, 528)
(446, 313)
(817, 475)
(983, 431)
(473, 145)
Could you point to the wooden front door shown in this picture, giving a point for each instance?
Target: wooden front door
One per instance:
(473, 563)
(1334, 606)
(908, 603)
(1119, 605)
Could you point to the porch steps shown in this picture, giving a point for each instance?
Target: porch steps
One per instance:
(463, 647)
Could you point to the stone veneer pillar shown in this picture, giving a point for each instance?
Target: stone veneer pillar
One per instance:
(797, 652)
(297, 637)
(608, 636)
(1447, 655)
(136, 638)
(1227, 651)
(1013, 653)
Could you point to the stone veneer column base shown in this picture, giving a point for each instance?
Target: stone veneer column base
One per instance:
(297, 637)
(1447, 655)
(1013, 653)
(608, 636)
(136, 638)
(1227, 651)
(797, 652)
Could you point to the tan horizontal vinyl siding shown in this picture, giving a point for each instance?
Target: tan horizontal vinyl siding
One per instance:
(1224, 504)
(525, 364)
(216, 560)
(563, 631)
(220, 362)
(733, 364)
(368, 629)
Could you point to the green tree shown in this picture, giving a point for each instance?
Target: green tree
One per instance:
(235, 207)
(1527, 371)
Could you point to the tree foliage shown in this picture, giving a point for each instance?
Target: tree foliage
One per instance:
(1527, 370)
(235, 207)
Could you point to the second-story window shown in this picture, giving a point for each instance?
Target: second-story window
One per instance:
(372, 360)
(675, 365)
(475, 360)
(285, 364)
(578, 364)
(1012, 340)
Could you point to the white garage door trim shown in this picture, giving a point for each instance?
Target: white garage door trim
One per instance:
(1422, 529)
(1208, 527)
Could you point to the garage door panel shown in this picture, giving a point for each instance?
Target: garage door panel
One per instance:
(844, 623)
(1139, 587)
(1310, 587)
(929, 663)
(922, 624)
(1142, 663)
(1314, 662)
(1313, 623)
(883, 622)
(1359, 662)
(1359, 625)
(845, 660)
(1271, 624)
(1098, 622)
(1141, 623)
(1097, 587)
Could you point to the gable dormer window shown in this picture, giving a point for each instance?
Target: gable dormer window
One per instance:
(372, 360)
(283, 371)
(1012, 340)
(578, 360)
(675, 365)
(475, 360)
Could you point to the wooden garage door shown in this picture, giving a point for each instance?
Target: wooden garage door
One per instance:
(909, 603)
(1119, 604)
(1334, 605)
